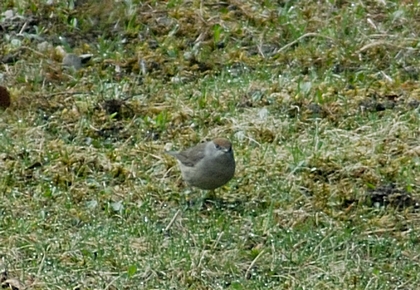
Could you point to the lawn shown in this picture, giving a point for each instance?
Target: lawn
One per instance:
(319, 98)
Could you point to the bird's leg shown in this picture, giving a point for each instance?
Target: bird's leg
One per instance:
(211, 195)
(205, 199)
(210, 198)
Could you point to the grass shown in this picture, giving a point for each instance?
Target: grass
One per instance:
(320, 101)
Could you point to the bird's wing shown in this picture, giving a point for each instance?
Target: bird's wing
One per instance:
(187, 158)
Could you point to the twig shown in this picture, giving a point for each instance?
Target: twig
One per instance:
(253, 264)
(172, 220)
(63, 93)
(301, 37)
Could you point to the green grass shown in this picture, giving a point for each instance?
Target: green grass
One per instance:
(320, 101)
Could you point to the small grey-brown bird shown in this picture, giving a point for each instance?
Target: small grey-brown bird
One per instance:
(207, 165)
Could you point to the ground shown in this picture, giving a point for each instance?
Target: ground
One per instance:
(319, 98)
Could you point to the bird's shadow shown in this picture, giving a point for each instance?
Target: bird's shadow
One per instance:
(215, 203)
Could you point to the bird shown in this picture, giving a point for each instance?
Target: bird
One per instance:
(208, 165)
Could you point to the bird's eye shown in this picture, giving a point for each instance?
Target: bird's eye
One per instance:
(217, 146)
